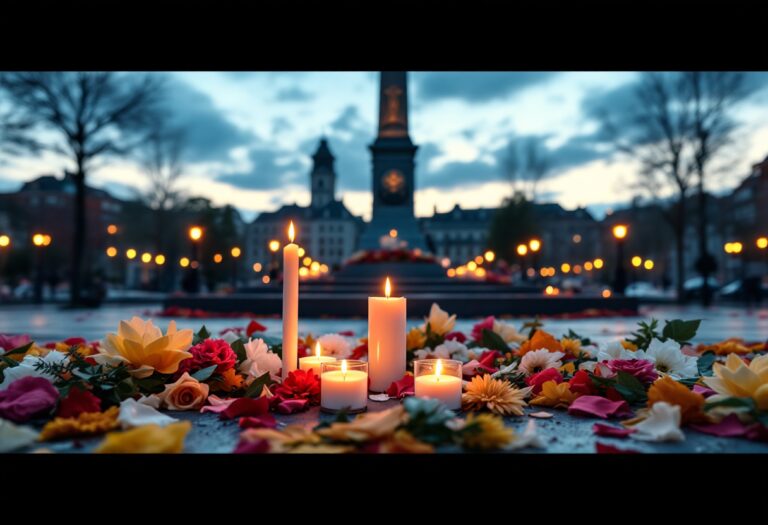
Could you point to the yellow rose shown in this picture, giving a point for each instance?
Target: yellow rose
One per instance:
(736, 379)
(439, 321)
(148, 439)
(415, 339)
(142, 346)
(187, 393)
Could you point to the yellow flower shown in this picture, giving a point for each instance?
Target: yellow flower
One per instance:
(539, 340)
(670, 391)
(556, 395)
(148, 439)
(737, 379)
(439, 321)
(571, 347)
(403, 442)
(415, 339)
(729, 346)
(487, 432)
(632, 347)
(568, 368)
(86, 424)
(230, 381)
(292, 439)
(143, 346)
(496, 395)
(367, 427)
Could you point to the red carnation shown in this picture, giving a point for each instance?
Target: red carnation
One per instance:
(537, 380)
(77, 402)
(208, 353)
(300, 384)
(582, 383)
(456, 336)
(641, 369)
(485, 324)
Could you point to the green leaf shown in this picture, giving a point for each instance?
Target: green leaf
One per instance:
(681, 331)
(152, 384)
(20, 350)
(630, 388)
(8, 361)
(493, 341)
(202, 335)
(705, 362)
(255, 388)
(734, 402)
(205, 373)
(239, 348)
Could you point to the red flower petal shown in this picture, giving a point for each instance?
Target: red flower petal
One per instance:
(263, 421)
(27, 397)
(291, 406)
(403, 387)
(246, 406)
(78, 402)
(611, 431)
(260, 446)
(254, 326)
(602, 448)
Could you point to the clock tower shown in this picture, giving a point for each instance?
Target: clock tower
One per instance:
(393, 170)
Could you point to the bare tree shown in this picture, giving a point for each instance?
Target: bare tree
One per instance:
(93, 115)
(15, 131)
(525, 164)
(656, 133)
(712, 96)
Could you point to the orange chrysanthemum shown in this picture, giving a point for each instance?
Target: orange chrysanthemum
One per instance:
(628, 345)
(229, 382)
(403, 442)
(674, 393)
(496, 395)
(734, 345)
(540, 339)
(86, 424)
(556, 395)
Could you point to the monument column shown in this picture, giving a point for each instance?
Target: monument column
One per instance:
(393, 162)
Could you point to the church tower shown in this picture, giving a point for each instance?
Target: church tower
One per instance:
(322, 177)
(393, 155)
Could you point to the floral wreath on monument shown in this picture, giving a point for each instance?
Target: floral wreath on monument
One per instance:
(385, 255)
(128, 387)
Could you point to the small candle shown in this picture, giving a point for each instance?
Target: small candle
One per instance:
(314, 362)
(386, 339)
(344, 385)
(439, 379)
(290, 304)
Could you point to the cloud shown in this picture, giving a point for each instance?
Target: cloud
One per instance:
(208, 134)
(271, 168)
(293, 94)
(280, 125)
(475, 87)
(458, 173)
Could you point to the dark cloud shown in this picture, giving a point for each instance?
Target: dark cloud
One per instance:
(457, 173)
(475, 87)
(208, 134)
(269, 170)
(293, 94)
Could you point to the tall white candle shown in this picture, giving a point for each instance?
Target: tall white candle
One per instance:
(290, 304)
(386, 339)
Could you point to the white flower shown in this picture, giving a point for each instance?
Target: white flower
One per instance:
(439, 321)
(136, 414)
(27, 368)
(529, 438)
(615, 350)
(508, 332)
(538, 360)
(259, 360)
(441, 352)
(662, 424)
(230, 336)
(335, 345)
(455, 350)
(15, 437)
(504, 370)
(667, 357)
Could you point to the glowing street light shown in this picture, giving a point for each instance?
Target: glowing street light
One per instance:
(235, 251)
(588, 266)
(146, 257)
(195, 233)
(522, 250)
(393, 233)
(184, 262)
(130, 253)
(762, 243)
(637, 261)
(489, 256)
(112, 229)
(598, 263)
(620, 231)
(648, 264)
(274, 245)
(159, 259)
(111, 251)
(217, 258)
(479, 259)
(471, 266)
(257, 267)
(534, 245)
(5, 241)
(565, 267)
(40, 239)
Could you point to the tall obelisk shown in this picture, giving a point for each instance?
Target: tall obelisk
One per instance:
(393, 169)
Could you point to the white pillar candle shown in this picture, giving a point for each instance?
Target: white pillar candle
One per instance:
(315, 362)
(432, 381)
(386, 339)
(344, 386)
(290, 304)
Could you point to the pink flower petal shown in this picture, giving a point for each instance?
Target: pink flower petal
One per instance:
(403, 387)
(730, 426)
(246, 406)
(291, 406)
(610, 431)
(703, 390)
(599, 407)
(27, 397)
(217, 404)
(263, 421)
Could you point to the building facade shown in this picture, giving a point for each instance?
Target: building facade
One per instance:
(326, 229)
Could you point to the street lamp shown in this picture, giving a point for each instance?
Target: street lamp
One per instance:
(620, 232)
(195, 235)
(235, 253)
(40, 240)
(5, 241)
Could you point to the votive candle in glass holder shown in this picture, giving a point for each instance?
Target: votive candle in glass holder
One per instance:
(439, 379)
(344, 386)
(313, 362)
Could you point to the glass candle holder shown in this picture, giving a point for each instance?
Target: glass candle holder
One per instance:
(439, 379)
(344, 386)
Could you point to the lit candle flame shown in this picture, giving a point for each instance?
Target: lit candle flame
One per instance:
(317, 349)
(291, 231)
(387, 288)
(438, 369)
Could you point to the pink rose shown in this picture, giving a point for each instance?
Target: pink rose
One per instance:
(9, 342)
(641, 369)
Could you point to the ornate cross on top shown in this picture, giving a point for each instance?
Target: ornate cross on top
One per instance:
(393, 105)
